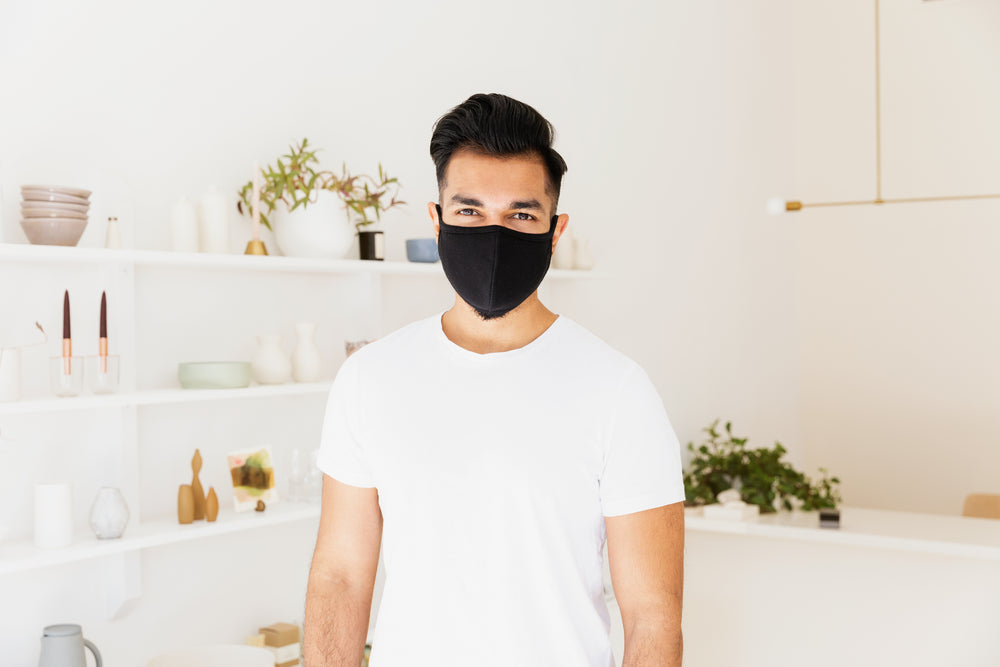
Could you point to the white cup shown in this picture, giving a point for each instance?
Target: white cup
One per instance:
(53, 515)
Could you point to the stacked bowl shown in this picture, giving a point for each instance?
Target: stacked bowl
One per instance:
(54, 215)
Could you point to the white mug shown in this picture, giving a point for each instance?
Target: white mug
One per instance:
(53, 515)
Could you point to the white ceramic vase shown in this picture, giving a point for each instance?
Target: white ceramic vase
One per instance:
(109, 514)
(318, 230)
(270, 363)
(306, 361)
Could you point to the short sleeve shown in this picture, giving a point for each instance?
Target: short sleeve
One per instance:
(642, 456)
(341, 452)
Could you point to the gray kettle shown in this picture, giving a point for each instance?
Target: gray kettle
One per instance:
(62, 646)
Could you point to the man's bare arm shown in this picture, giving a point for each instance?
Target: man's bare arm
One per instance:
(646, 558)
(342, 576)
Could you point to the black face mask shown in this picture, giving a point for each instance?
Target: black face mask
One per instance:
(494, 268)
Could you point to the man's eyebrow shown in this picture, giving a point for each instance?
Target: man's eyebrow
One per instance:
(467, 201)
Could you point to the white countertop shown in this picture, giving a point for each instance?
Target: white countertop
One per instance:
(882, 529)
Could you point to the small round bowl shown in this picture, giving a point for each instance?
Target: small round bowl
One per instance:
(53, 231)
(45, 195)
(59, 189)
(55, 206)
(422, 250)
(214, 374)
(35, 213)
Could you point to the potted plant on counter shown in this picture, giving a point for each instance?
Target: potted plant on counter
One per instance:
(299, 203)
(759, 475)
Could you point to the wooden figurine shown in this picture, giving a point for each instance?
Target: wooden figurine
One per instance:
(196, 489)
(185, 504)
(211, 504)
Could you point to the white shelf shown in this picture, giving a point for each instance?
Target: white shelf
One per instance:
(158, 258)
(21, 556)
(161, 397)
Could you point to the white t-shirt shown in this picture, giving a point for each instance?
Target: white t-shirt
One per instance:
(494, 475)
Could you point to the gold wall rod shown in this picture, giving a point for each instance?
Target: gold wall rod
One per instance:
(778, 205)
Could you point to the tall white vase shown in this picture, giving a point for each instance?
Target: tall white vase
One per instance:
(306, 361)
(270, 363)
(318, 230)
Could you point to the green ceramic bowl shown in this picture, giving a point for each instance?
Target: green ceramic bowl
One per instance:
(214, 374)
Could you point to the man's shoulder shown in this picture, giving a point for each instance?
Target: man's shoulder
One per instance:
(582, 343)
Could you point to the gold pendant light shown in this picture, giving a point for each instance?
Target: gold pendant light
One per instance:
(777, 205)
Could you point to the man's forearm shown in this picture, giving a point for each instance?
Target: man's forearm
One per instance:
(653, 645)
(336, 624)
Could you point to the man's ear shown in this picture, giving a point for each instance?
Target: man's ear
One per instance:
(432, 211)
(561, 223)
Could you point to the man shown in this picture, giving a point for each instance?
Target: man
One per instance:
(492, 448)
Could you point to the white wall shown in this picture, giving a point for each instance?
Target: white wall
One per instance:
(669, 115)
(898, 306)
(673, 118)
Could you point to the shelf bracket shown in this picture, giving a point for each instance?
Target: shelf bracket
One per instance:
(122, 580)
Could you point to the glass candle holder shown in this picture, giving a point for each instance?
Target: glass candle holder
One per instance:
(102, 374)
(66, 375)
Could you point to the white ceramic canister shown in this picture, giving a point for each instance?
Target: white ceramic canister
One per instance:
(183, 226)
(213, 222)
(270, 363)
(306, 362)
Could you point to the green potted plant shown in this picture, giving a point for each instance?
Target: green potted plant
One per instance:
(723, 462)
(299, 202)
(367, 198)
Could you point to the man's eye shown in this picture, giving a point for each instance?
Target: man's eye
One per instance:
(466, 211)
(527, 216)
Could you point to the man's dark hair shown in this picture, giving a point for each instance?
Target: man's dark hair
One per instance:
(499, 126)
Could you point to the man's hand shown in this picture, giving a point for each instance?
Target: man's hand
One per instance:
(646, 558)
(342, 576)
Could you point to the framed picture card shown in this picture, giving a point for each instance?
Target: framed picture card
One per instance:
(253, 477)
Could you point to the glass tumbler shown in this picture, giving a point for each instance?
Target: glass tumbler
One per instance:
(102, 374)
(66, 375)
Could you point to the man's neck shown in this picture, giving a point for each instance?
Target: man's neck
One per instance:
(463, 326)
